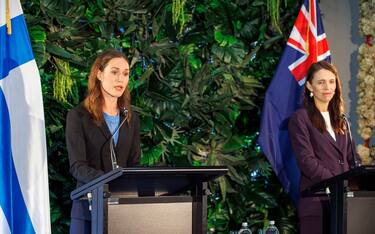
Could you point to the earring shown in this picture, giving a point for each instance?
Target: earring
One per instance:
(311, 94)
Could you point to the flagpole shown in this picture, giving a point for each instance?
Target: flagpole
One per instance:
(7, 16)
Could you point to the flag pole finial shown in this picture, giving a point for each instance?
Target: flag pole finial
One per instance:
(7, 15)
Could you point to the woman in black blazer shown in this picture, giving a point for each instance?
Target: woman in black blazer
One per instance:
(320, 141)
(91, 124)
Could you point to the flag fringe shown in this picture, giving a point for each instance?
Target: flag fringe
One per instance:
(8, 21)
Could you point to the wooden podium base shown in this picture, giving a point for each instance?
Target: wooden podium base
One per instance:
(164, 215)
(360, 212)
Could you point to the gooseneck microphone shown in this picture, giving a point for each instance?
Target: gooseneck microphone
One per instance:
(355, 163)
(124, 112)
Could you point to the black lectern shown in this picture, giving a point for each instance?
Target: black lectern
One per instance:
(149, 200)
(352, 200)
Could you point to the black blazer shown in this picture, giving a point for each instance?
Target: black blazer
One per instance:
(319, 157)
(89, 151)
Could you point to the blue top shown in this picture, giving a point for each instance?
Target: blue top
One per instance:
(112, 122)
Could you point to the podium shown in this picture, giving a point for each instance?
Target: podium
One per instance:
(352, 200)
(149, 200)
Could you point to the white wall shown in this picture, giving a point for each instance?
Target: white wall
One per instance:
(340, 20)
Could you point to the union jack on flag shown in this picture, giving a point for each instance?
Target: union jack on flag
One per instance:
(309, 39)
(306, 45)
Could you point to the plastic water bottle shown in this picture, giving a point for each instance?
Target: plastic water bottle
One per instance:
(244, 229)
(211, 230)
(272, 229)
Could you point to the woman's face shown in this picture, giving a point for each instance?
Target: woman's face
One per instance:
(115, 77)
(323, 86)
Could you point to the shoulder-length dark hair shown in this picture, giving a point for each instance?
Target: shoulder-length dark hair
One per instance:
(94, 100)
(335, 106)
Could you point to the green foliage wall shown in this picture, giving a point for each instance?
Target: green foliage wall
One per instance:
(199, 70)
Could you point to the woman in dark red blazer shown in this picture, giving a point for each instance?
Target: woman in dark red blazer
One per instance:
(320, 142)
(91, 124)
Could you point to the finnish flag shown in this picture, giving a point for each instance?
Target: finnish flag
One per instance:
(24, 199)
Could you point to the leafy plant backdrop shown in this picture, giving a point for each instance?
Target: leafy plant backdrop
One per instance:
(199, 71)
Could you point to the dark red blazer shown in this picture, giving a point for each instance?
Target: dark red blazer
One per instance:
(319, 157)
(89, 151)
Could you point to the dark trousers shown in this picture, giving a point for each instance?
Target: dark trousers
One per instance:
(80, 226)
(317, 224)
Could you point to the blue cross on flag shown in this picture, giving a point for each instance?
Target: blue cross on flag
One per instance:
(24, 197)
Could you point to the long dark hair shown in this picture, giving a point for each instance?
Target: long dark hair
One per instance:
(335, 106)
(94, 100)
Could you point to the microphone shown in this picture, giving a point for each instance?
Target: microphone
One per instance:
(123, 111)
(354, 158)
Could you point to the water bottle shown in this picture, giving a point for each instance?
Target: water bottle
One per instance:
(244, 229)
(211, 230)
(272, 229)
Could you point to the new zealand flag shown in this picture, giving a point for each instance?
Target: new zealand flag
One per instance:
(306, 45)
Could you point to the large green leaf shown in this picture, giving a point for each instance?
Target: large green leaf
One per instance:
(198, 91)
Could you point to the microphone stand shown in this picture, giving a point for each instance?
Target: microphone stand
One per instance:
(124, 111)
(355, 163)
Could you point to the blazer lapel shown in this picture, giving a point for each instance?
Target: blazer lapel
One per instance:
(105, 130)
(106, 153)
(341, 141)
(336, 143)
